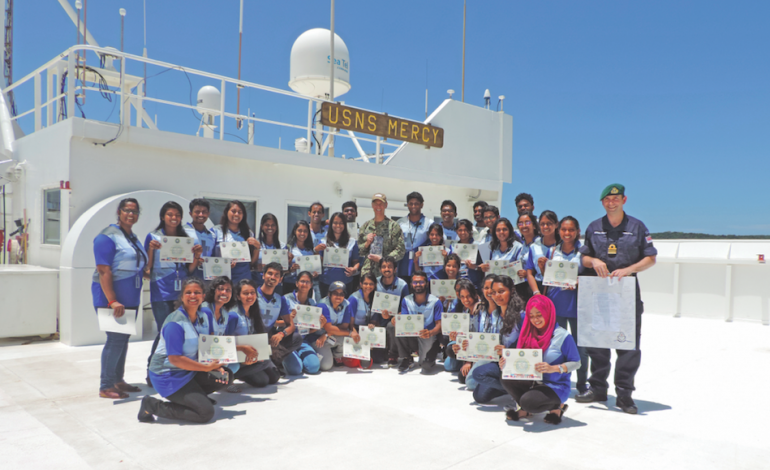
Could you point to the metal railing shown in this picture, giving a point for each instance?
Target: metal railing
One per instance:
(130, 91)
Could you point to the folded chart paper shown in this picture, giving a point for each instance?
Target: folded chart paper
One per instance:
(607, 312)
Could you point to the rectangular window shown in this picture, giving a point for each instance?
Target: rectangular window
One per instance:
(295, 213)
(51, 216)
(218, 208)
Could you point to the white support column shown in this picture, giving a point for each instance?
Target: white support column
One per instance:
(37, 102)
(123, 120)
(71, 84)
(222, 113)
(49, 94)
(309, 124)
(377, 149)
(138, 104)
(677, 298)
(729, 292)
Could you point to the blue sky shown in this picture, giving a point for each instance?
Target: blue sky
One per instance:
(670, 98)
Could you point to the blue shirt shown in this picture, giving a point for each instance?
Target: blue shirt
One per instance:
(415, 235)
(216, 327)
(362, 311)
(318, 237)
(562, 349)
(297, 252)
(399, 287)
(338, 316)
(165, 276)
(511, 254)
(476, 276)
(126, 258)
(178, 337)
(537, 250)
(435, 272)
(258, 276)
(432, 309)
(241, 270)
(271, 307)
(450, 233)
(338, 274)
(489, 323)
(293, 303)
(205, 239)
(564, 300)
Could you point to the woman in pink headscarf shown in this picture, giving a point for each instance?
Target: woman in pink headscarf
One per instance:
(560, 357)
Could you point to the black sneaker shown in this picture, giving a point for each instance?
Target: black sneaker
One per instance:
(392, 361)
(626, 403)
(146, 410)
(405, 364)
(590, 396)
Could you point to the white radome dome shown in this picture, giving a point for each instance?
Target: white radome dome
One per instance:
(309, 67)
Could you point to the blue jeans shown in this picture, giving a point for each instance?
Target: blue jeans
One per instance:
(160, 310)
(114, 358)
(470, 382)
(292, 364)
(309, 359)
(451, 364)
(489, 383)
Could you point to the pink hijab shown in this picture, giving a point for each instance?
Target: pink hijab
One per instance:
(530, 338)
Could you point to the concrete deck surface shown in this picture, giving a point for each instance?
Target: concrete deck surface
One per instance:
(701, 392)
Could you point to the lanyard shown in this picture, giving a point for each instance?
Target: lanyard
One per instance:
(133, 242)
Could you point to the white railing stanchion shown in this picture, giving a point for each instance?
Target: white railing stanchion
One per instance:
(38, 117)
(222, 112)
(71, 84)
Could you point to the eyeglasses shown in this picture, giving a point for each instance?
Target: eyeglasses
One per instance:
(130, 211)
(547, 224)
(526, 222)
(491, 217)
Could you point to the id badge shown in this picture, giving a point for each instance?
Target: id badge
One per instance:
(178, 285)
(411, 256)
(138, 282)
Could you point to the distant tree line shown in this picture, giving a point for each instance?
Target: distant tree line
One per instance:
(705, 236)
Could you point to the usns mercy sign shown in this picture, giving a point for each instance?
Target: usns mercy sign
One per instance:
(344, 117)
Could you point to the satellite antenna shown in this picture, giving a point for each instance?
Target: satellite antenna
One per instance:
(487, 97)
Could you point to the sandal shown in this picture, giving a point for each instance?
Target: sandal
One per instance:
(512, 414)
(125, 387)
(112, 393)
(554, 418)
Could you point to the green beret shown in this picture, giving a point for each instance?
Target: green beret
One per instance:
(613, 189)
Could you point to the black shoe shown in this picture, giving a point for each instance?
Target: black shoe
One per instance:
(590, 396)
(146, 410)
(405, 364)
(213, 402)
(581, 388)
(392, 361)
(626, 403)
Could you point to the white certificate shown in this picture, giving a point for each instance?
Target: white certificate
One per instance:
(560, 273)
(409, 325)
(511, 269)
(520, 364)
(457, 322)
(355, 350)
(311, 264)
(431, 255)
(125, 324)
(467, 251)
(443, 288)
(238, 251)
(177, 249)
(335, 257)
(375, 338)
(383, 302)
(462, 355)
(276, 256)
(481, 346)
(513, 272)
(308, 317)
(217, 348)
(259, 342)
(215, 267)
(353, 230)
(607, 312)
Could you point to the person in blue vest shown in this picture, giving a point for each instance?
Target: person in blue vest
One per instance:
(215, 314)
(363, 317)
(301, 244)
(420, 302)
(488, 377)
(338, 237)
(302, 295)
(284, 337)
(166, 277)
(435, 239)
(616, 246)
(318, 228)
(268, 240)
(504, 245)
(117, 284)
(549, 237)
(560, 357)
(448, 222)
(415, 229)
(465, 236)
(246, 319)
(233, 227)
(175, 371)
(565, 299)
(389, 283)
(199, 212)
(491, 214)
(328, 342)
(469, 303)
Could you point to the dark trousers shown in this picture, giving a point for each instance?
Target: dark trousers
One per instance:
(582, 372)
(626, 365)
(257, 375)
(190, 403)
(532, 398)
(390, 335)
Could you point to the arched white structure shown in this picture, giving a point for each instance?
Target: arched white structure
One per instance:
(77, 318)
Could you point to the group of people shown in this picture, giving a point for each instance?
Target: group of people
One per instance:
(262, 297)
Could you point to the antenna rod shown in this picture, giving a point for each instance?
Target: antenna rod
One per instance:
(144, 50)
(331, 80)
(426, 89)
(240, 44)
(85, 28)
(462, 94)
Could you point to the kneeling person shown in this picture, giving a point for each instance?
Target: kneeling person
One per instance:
(420, 303)
(328, 343)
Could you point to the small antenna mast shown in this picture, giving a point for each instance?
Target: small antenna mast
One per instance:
(144, 51)
(462, 94)
(240, 45)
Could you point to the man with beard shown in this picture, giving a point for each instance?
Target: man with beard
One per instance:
(420, 302)
(390, 284)
(284, 337)
(415, 228)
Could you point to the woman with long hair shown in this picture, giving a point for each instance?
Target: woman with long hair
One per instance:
(338, 237)
(468, 267)
(537, 252)
(361, 306)
(468, 303)
(302, 295)
(300, 244)
(435, 238)
(530, 233)
(233, 227)
(166, 277)
(268, 240)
